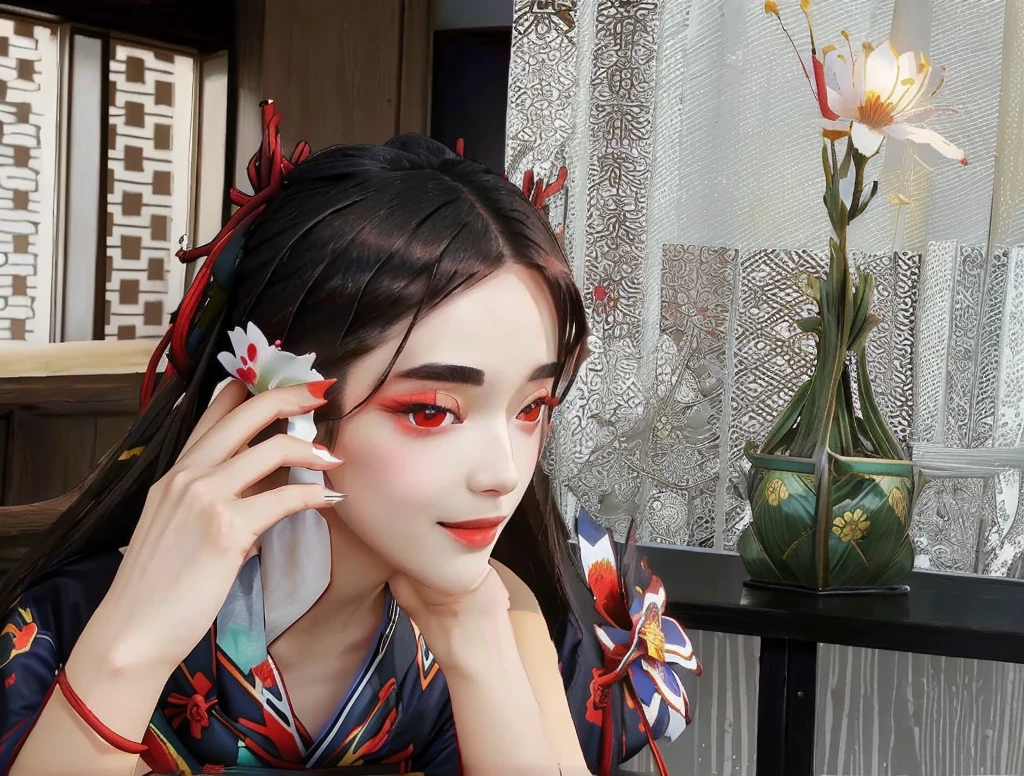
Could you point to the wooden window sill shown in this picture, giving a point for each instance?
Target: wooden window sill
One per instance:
(104, 374)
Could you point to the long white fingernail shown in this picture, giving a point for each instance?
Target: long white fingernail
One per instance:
(322, 452)
(333, 497)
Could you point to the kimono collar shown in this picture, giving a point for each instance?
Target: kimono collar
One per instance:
(295, 562)
(277, 587)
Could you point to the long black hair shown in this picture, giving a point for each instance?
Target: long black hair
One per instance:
(344, 246)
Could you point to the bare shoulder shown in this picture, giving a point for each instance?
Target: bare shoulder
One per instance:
(520, 597)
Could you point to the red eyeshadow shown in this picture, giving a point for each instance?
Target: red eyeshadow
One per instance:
(399, 403)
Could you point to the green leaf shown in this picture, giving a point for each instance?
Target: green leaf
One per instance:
(862, 296)
(755, 559)
(859, 164)
(837, 210)
(844, 166)
(866, 328)
(834, 440)
(863, 205)
(902, 564)
(843, 420)
(812, 419)
(884, 538)
(813, 432)
(878, 431)
(871, 196)
(787, 420)
(810, 325)
(787, 440)
(864, 435)
(851, 414)
(810, 286)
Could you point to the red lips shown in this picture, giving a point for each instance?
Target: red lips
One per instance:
(475, 533)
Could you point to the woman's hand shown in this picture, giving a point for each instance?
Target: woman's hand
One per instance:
(499, 724)
(197, 528)
(461, 630)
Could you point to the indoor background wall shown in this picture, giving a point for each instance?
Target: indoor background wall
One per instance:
(340, 72)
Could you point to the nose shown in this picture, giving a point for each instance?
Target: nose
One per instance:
(493, 464)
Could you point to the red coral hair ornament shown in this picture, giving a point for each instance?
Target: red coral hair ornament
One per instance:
(266, 171)
(533, 188)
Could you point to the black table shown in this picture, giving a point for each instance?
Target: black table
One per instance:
(943, 614)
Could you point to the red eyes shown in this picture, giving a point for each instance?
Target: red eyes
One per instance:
(431, 416)
(531, 412)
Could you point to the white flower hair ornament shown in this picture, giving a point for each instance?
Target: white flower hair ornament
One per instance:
(263, 366)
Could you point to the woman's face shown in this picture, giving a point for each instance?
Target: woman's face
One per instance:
(453, 436)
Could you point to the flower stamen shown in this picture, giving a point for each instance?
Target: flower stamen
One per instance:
(805, 6)
(791, 43)
(874, 112)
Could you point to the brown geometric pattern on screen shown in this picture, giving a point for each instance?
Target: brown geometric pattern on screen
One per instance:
(140, 178)
(24, 208)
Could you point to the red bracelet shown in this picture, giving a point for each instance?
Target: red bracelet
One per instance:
(108, 735)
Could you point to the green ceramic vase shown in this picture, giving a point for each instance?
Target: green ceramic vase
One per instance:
(830, 489)
(865, 540)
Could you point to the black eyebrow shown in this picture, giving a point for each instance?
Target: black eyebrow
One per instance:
(445, 373)
(465, 375)
(546, 372)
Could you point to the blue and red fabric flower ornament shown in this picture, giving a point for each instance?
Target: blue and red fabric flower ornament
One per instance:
(644, 651)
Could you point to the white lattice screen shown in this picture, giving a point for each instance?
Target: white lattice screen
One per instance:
(28, 121)
(149, 182)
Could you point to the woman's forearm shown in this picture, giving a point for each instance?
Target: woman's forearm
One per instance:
(121, 693)
(498, 721)
(62, 744)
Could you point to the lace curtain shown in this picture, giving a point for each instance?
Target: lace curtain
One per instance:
(694, 202)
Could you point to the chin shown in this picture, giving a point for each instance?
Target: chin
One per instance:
(457, 577)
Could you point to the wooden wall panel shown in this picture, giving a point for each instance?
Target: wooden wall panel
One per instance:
(52, 453)
(249, 78)
(58, 427)
(109, 431)
(47, 456)
(343, 72)
(5, 425)
(333, 68)
(416, 71)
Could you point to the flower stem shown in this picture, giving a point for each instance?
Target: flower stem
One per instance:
(859, 203)
(836, 310)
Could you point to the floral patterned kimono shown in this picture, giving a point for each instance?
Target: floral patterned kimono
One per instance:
(226, 705)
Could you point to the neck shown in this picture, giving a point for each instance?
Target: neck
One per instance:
(358, 574)
(349, 611)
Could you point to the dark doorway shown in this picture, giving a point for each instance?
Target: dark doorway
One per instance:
(470, 91)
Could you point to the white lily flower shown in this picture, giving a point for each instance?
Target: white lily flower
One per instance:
(874, 93)
(884, 93)
(263, 366)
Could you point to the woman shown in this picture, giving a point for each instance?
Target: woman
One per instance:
(290, 590)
